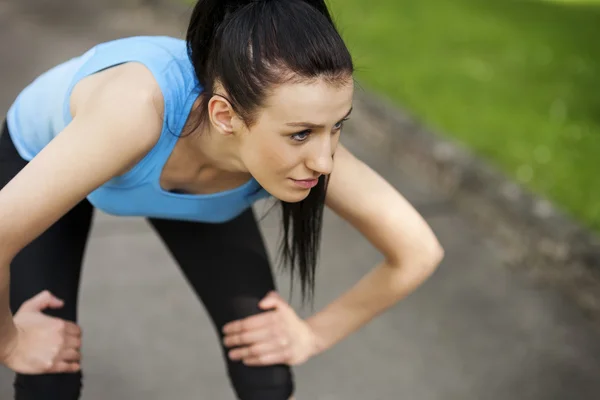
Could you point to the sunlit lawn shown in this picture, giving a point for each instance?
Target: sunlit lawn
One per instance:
(516, 81)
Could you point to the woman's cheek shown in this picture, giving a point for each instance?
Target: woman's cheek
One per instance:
(279, 157)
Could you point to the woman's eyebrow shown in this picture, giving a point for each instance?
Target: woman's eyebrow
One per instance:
(315, 126)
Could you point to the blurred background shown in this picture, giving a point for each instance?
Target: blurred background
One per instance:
(516, 81)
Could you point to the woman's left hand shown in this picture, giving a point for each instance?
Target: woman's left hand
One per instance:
(277, 336)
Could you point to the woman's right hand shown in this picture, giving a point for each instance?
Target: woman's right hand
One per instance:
(42, 344)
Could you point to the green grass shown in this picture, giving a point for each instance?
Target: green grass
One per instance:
(516, 81)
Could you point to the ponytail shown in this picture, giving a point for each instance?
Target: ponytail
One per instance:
(247, 47)
(205, 20)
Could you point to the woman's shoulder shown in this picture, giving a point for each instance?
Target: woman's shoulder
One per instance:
(148, 78)
(167, 60)
(160, 54)
(156, 66)
(124, 102)
(128, 84)
(165, 57)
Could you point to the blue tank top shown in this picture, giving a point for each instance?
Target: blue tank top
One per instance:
(41, 111)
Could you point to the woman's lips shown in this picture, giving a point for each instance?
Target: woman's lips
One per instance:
(306, 183)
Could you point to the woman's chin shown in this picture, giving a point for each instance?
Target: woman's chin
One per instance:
(290, 196)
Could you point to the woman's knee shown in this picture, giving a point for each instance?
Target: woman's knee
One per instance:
(66, 386)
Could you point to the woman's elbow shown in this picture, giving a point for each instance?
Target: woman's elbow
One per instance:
(436, 253)
(420, 259)
(430, 255)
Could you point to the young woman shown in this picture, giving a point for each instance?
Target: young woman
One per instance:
(190, 134)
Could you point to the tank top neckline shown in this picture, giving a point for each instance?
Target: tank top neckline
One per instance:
(166, 151)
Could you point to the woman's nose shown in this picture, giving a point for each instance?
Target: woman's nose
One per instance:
(320, 159)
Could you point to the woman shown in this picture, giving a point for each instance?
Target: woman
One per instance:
(190, 134)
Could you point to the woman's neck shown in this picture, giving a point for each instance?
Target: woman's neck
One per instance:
(204, 162)
(215, 150)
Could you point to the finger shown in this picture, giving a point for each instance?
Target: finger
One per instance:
(65, 366)
(269, 304)
(66, 328)
(72, 329)
(42, 301)
(271, 300)
(72, 342)
(55, 302)
(257, 321)
(70, 355)
(255, 351)
(276, 295)
(247, 338)
(279, 357)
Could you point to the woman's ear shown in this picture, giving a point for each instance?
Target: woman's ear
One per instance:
(221, 115)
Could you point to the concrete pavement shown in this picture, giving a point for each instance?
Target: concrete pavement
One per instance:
(475, 330)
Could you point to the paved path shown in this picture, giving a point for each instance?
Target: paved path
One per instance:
(474, 331)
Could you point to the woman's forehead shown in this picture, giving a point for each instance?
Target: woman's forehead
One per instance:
(318, 99)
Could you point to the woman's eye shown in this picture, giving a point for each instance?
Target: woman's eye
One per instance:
(301, 136)
(339, 125)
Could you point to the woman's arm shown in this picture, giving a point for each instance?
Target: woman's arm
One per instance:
(411, 250)
(114, 125)
(392, 225)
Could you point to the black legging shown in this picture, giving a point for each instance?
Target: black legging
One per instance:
(226, 264)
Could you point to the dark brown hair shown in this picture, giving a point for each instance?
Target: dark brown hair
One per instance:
(247, 47)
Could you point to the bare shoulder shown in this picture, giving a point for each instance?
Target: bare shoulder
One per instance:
(127, 93)
(124, 104)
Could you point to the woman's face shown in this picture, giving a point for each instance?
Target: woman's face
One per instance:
(295, 136)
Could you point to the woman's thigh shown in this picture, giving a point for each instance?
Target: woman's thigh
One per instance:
(228, 267)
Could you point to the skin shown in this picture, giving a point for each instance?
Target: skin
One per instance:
(356, 193)
(272, 150)
(123, 105)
